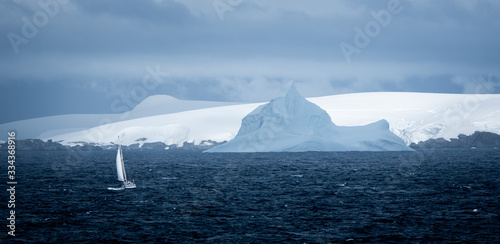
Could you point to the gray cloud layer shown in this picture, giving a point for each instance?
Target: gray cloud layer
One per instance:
(105, 46)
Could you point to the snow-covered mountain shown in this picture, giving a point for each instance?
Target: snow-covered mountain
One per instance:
(216, 124)
(414, 117)
(51, 126)
(291, 123)
(417, 117)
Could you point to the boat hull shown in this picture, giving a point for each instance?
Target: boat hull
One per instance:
(129, 185)
(116, 188)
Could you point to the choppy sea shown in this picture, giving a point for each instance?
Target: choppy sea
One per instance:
(314, 197)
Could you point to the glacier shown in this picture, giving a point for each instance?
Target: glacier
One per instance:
(293, 124)
(53, 126)
(414, 117)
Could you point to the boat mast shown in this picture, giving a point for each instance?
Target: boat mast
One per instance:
(123, 165)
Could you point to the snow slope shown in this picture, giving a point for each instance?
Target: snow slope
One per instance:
(417, 117)
(163, 104)
(291, 123)
(47, 127)
(412, 116)
(189, 126)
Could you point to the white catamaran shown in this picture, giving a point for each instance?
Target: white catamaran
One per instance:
(120, 169)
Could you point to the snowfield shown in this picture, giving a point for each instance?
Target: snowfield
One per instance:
(417, 117)
(216, 124)
(47, 127)
(414, 117)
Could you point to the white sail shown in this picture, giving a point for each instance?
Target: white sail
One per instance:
(123, 166)
(122, 175)
(120, 169)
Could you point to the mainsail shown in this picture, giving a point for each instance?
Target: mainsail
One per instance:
(120, 167)
(122, 175)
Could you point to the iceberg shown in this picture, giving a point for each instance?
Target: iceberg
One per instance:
(293, 124)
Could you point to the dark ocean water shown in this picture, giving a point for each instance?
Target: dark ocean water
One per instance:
(426, 197)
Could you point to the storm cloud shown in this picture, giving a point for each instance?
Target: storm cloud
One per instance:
(87, 53)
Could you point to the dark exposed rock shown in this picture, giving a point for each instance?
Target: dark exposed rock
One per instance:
(39, 145)
(476, 140)
(35, 145)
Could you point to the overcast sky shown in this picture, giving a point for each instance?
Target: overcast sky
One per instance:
(86, 56)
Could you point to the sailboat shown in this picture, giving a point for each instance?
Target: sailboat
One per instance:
(122, 174)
